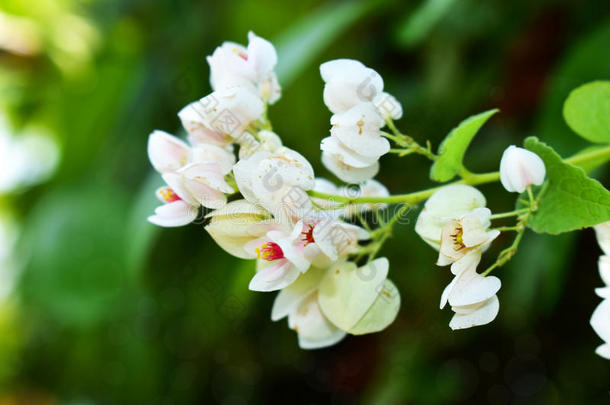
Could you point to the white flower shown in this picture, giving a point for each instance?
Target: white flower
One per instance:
(388, 106)
(166, 152)
(465, 234)
(359, 128)
(317, 239)
(267, 140)
(222, 116)
(314, 329)
(600, 322)
(237, 224)
(280, 261)
(299, 302)
(348, 83)
(520, 168)
(448, 202)
(602, 231)
(175, 211)
(325, 238)
(354, 93)
(195, 176)
(277, 181)
(370, 188)
(232, 65)
(472, 297)
(346, 164)
(359, 300)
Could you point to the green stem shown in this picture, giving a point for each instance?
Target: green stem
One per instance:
(409, 144)
(509, 252)
(410, 198)
(472, 179)
(510, 213)
(385, 231)
(591, 155)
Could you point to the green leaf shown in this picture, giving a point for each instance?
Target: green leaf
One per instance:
(382, 313)
(572, 200)
(298, 46)
(452, 149)
(587, 111)
(346, 293)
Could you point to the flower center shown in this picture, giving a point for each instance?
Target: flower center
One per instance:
(307, 235)
(269, 251)
(240, 53)
(168, 195)
(458, 240)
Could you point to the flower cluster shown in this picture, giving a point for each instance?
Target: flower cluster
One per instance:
(303, 247)
(600, 320)
(455, 222)
(313, 241)
(354, 94)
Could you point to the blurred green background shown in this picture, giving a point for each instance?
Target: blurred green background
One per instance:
(99, 307)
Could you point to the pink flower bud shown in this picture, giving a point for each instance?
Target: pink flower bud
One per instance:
(520, 168)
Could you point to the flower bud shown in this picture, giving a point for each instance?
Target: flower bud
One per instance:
(520, 168)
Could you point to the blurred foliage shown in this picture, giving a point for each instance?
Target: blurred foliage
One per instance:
(109, 309)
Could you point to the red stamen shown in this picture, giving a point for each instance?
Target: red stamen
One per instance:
(168, 195)
(307, 235)
(269, 251)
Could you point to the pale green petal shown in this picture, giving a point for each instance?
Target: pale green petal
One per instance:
(347, 292)
(382, 313)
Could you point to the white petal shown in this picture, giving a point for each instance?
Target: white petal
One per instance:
(334, 147)
(177, 213)
(269, 88)
(600, 320)
(221, 156)
(194, 121)
(349, 82)
(447, 291)
(274, 276)
(336, 68)
(270, 140)
(520, 168)
(470, 261)
(229, 111)
(262, 56)
(347, 292)
(176, 182)
(166, 152)
(388, 106)
(604, 351)
(604, 268)
(448, 202)
(481, 316)
(472, 288)
(288, 298)
(314, 329)
(229, 66)
(359, 129)
(603, 292)
(331, 339)
(349, 174)
(602, 231)
(209, 174)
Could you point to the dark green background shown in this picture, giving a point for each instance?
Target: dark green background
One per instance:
(111, 310)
